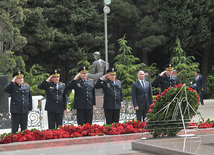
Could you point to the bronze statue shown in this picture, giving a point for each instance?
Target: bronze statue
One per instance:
(98, 68)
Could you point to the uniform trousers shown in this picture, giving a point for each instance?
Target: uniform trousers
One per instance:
(140, 113)
(112, 115)
(19, 119)
(54, 119)
(84, 116)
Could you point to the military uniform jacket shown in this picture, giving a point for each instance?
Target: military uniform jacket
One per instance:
(164, 82)
(113, 94)
(21, 98)
(84, 97)
(140, 97)
(199, 82)
(55, 98)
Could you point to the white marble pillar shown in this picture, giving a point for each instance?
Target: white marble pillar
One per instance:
(44, 121)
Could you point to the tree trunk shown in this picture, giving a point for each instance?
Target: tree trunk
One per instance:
(206, 63)
(145, 57)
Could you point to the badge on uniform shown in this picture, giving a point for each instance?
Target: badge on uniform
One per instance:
(78, 84)
(51, 87)
(108, 84)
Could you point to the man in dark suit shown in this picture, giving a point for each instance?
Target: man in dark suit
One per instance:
(141, 96)
(198, 82)
(21, 101)
(113, 95)
(55, 98)
(165, 79)
(84, 98)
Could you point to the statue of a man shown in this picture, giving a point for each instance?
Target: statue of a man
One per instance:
(98, 68)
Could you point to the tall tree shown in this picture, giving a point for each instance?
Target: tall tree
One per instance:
(187, 20)
(185, 65)
(60, 32)
(127, 66)
(12, 18)
(150, 30)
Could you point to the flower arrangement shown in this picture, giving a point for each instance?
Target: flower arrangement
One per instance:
(164, 115)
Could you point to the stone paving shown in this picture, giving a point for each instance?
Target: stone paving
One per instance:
(206, 110)
(202, 144)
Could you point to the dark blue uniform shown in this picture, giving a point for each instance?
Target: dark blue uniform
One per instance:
(21, 103)
(164, 82)
(55, 102)
(84, 99)
(113, 96)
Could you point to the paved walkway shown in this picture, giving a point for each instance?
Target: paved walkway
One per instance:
(206, 110)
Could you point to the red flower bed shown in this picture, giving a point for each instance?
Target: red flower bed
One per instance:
(68, 131)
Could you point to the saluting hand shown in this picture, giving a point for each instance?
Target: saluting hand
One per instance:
(77, 76)
(49, 79)
(104, 76)
(14, 79)
(162, 73)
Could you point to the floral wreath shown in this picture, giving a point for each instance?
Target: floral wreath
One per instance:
(164, 115)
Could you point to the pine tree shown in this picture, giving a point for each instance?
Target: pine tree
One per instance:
(184, 65)
(127, 66)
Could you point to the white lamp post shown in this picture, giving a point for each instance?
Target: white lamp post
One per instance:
(106, 10)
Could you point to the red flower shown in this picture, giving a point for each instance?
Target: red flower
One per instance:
(149, 110)
(151, 106)
(180, 85)
(157, 97)
(162, 93)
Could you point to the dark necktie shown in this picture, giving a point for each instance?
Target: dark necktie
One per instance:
(21, 86)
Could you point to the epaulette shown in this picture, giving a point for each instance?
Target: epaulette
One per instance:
(90, 79)
(25, 84)
(117, 80)
(62, 83)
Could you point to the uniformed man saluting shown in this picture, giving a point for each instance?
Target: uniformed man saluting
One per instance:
(84, 96)
(113, 95)
(21, 101)
(166, 79)
(55, 99)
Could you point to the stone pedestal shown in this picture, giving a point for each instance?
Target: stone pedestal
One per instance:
(4, 110)
(99, 97)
